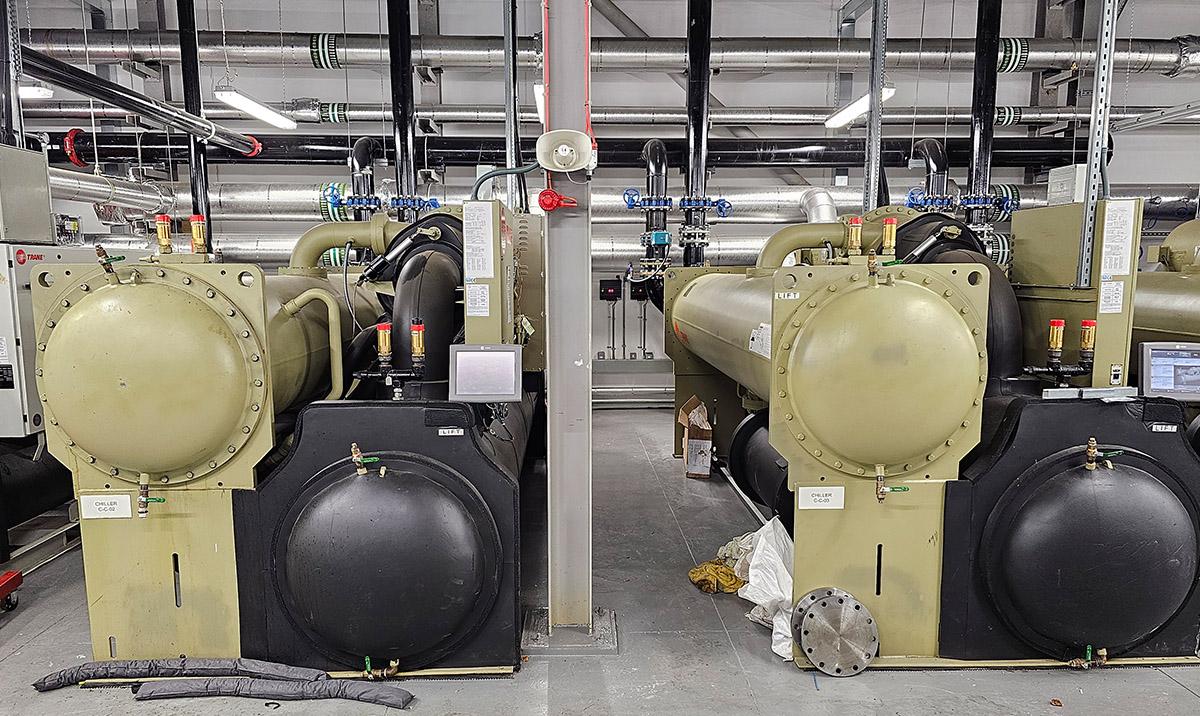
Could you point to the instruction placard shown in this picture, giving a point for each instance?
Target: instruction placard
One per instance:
(479, 299)
(479, 255)
(760, 340)
(1117, 250)
(1112, 296)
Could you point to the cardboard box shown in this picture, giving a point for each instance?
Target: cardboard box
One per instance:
(697, 439)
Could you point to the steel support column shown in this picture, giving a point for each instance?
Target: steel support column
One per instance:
(694, 234)
(569, 348)
(873, 168)
(1098, 135)
(516, 194)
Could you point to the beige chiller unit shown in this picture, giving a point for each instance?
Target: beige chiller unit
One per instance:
(968, 478)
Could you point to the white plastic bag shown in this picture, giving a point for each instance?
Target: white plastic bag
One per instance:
(768, 570)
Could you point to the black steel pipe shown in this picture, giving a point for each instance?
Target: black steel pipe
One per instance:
(10, 114)
(937, 166)
(189, 68)
(404, 108)
(436, 152)
(60, 74)
(693, 235)
(657, 166)
(362, 170)
(983, 102)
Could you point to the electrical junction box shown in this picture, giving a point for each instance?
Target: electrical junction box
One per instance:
(1067, 185)
(25, 215)
(610, 289)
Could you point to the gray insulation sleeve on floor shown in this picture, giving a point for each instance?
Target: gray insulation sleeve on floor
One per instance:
(184, 667)
(366, 692)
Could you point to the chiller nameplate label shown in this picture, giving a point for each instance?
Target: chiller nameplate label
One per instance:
(105, 507)
(821, 498)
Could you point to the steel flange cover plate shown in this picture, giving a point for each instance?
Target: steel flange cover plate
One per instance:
(839, 635)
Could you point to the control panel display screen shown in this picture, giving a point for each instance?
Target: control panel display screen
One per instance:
(1172, 371)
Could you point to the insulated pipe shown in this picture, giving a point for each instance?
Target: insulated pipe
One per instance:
(100, 189)
(1174, 57)
(189, 68)
(71, 78)
(312, 111)
(937, 166)
(983, 102)
(694, 232)
(427, 289)
(400, 53)
(438, 152)
(778, 205)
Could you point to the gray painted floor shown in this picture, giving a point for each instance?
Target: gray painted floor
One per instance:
(682, 651)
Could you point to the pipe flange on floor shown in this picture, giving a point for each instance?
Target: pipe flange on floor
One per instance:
(835, 632)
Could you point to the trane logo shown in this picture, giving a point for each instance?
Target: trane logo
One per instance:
(22, 257)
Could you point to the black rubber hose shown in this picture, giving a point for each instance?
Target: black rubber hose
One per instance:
(428, 288)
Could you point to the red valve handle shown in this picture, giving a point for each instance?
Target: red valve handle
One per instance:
(550, 200)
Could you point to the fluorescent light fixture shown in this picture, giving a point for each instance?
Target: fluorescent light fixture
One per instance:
(846, 115)
(239, 101)
(539, 101)
(35, 91)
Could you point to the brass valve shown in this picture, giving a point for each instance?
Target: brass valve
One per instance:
(1087, 341)
(1092, 451)
(1055, 343)
(417, 331)
(199, 234)
(854, 236)
(383, 343)
(889, 237)
(162, 226)
(356, 457)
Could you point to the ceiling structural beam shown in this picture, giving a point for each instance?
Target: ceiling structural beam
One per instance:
(1174, 57)
(313, 111)
(983, 104)
(60, 74)
(1187, 111)
(437, 152)
(628, 27)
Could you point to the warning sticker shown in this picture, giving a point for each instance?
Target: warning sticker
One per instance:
(4, 348)
(760, 340)
(479, 260)
(1117, 250)
(1112, 296)
(479, 299)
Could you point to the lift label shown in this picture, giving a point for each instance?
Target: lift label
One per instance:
(105, 507)
(821, 498)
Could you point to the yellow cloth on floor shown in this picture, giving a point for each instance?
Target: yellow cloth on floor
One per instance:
(715, 576)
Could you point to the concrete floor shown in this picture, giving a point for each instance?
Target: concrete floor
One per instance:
(681, 651)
